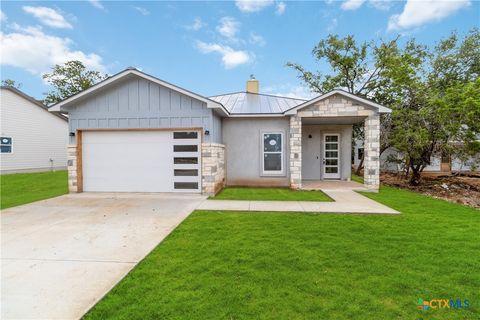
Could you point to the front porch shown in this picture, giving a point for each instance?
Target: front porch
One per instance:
(321, 142)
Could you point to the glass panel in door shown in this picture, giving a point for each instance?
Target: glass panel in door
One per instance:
(331, 161)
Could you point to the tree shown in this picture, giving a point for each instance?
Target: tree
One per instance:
(440, 115)
(434, 92)
(69, 79)
(367, 70)
(11, 83)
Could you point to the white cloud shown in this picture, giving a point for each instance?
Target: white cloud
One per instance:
(48, 17)
(352, 4)
(290, 91)
(249, 6)
(381, 4)
(196, 25)
(257, 39)
(32, 50)
(416, 12)
(229, 28)
(281, 6)
(230, 58)
(3, 16)
(142, 10)
(97, 4)
(333, 24)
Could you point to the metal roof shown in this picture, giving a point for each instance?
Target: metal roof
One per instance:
(256, 103)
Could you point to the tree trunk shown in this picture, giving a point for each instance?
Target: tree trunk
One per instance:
(415, 178)
(360, 166)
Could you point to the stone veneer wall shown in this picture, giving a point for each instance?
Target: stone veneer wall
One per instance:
(72, 167)
(295, 152)
(213, 167)
(337, 106)
(371, 162)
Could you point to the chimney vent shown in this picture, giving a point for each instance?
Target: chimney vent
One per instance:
(252, 85)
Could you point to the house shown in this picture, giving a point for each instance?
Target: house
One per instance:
(32, 139)
(133, 132)
(390, 161)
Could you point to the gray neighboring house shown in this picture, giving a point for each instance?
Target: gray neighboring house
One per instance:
(136, 133)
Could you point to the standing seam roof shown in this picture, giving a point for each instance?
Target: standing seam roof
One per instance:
(252, 103)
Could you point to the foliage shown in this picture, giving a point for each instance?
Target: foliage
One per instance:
(246, 265)
(11, 83)
(278, 194)
(21, 188)
(69, 79)
(433, 92)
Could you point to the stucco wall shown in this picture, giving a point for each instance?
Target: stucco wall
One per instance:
(243, 150)
(37, 136)
(138, 103)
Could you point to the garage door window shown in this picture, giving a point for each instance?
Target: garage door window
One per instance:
(185, 160)
(185, 172)
(185, 148)
(186, 185)
(185, 135)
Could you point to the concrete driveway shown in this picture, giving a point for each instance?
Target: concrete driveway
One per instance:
(60, 256)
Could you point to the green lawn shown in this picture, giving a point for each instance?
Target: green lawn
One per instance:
(283, 194)
(239, 265)
(21, 188)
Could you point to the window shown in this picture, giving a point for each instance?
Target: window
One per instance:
(273, 153)
(185, 148)
(6, 144)
(185, 135)
(185, 160)
(185, 172)
(185, 185)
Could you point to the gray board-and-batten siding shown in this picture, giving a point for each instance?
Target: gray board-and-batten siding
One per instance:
(139, 103)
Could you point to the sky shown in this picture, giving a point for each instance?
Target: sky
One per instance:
(212, 47)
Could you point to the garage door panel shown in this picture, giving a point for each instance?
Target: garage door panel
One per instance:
(135, 161)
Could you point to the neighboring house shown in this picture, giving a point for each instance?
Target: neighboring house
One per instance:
(32, 139)
(134, 132)
(438, 164)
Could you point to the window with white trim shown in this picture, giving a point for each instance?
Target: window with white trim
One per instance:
(5, 144)
(272, 152)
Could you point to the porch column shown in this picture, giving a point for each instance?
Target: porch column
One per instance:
(295, 152)
(371, 168)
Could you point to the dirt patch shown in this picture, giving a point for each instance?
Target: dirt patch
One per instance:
(459, 189)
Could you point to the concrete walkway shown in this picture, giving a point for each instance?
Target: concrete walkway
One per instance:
(345, 201)
(61, 255)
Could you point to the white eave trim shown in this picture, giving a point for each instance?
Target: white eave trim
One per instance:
(210, 103)
(378, 107)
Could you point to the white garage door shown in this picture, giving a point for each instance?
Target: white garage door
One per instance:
(141, 161)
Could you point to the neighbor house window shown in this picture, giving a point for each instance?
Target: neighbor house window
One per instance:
(273, 153)
(6, 144)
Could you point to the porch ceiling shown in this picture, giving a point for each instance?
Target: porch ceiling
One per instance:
(332, 120)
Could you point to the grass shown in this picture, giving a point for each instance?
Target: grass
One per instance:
(279, 194)
(22, 188)
(240, 265)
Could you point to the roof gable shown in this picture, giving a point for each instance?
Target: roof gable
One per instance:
(365, 102)
(32, 100)
(129, 72)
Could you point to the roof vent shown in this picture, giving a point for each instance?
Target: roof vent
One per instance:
(252, 85)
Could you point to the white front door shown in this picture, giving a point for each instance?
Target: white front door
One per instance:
(331, 156)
